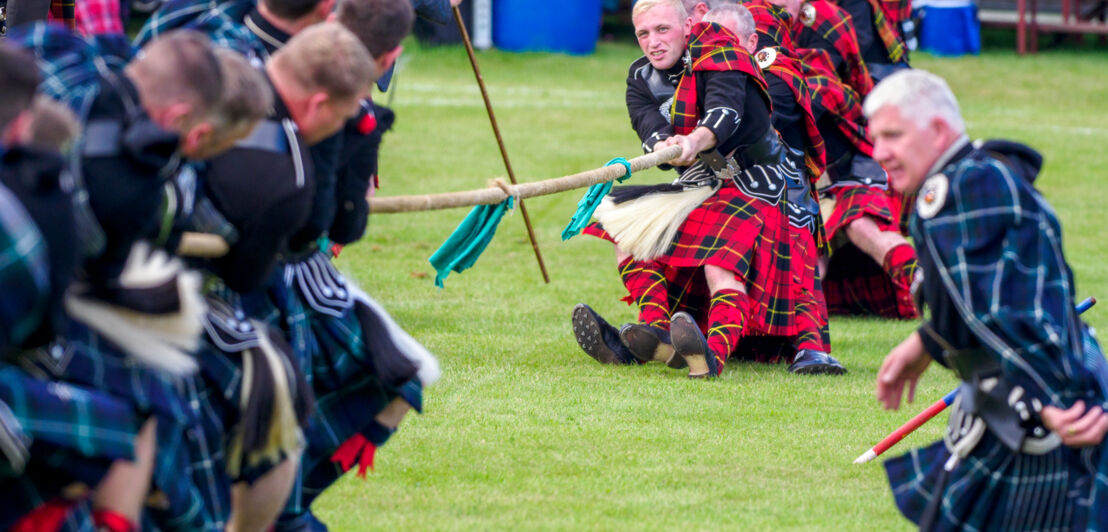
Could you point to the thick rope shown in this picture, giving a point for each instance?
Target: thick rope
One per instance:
(494, 195)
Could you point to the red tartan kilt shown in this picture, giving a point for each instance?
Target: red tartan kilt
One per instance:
(855, 284)
(854, 202)
(807, 291)
(747, 236)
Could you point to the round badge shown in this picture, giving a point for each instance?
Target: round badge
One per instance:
(765, 57)
(808, 14)
(932, 196)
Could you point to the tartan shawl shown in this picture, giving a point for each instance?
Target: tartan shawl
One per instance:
(787, 68)
(835, 25)
(773, 22)
(221, 21)
(996, 244)
(712, 48)
(68, 62)
(887, 16)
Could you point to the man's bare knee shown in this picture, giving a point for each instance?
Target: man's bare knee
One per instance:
(621, 256)
(722, 279)
(869, 238)
(123, 490)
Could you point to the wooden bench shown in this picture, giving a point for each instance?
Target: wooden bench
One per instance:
(1029, 23)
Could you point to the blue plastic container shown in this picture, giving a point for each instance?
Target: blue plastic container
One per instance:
(950, 28)
(568, 26)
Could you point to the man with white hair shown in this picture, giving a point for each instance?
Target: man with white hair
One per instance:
(1025, 445)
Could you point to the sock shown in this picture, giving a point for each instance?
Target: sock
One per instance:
(107, 520)
(726, 318)
(646, 281)
(900, 263)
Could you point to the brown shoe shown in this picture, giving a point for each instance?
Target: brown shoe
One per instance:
(650, 344)
(690, 344)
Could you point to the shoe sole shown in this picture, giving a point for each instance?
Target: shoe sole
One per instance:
(819, 369)
(687, 344)
(660, 352)
(589, 336)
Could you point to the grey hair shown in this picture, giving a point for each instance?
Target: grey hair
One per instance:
(740, 14)
(919, 95)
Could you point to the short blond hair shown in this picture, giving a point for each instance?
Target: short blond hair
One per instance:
(327, 57)
(642, 6)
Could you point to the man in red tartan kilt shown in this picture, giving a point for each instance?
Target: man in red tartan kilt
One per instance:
(858, 216)
(792, 118)
(724, 261)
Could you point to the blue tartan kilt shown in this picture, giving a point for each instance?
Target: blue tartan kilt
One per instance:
(88, 359)
(75, 434)
(996, 489)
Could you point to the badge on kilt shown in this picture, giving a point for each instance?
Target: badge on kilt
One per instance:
(808, 14)
(932, 196)
(765, 57)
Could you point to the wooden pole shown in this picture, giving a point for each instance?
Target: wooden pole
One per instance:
(493, 195)
(499, 140)
(207, 245)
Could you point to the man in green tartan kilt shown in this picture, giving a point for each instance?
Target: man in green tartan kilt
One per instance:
(1025, 447)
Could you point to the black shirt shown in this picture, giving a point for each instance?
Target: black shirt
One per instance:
(35, 177)
(873, 49)
(125, 187)
(266, 195)
(729, 103)
(788, 115)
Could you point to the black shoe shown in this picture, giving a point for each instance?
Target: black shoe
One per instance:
(812, 362)
(599, 339)
(690, 344)
(650, 344)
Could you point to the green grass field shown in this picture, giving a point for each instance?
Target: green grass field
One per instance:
(524, 431)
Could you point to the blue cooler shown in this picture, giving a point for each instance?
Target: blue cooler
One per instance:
(950, 27)
(569, 26)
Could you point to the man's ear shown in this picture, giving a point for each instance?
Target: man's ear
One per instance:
(315, 102)
(197, 137)
(18, 130)
(944, 134)
(325, 9)
(752, 42)
(387, 59)
(174, 115)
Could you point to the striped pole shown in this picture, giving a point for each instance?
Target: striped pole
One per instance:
(931, 411)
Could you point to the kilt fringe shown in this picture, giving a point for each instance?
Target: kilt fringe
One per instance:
(163, 342)
(272, 415)
(646, 226)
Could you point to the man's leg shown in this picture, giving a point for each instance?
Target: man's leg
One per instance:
(255, 507)
(727, 317)
(893, 252)
(118, 500)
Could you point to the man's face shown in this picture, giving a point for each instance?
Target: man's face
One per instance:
(905, 149)
(661, 34)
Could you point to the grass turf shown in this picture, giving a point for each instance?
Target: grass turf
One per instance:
(526, 432)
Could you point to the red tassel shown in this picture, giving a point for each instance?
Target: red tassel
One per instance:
(48, 517)
(367, 124)
(366, 462)
(112, 521)
(347, 453)
(336, 249)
